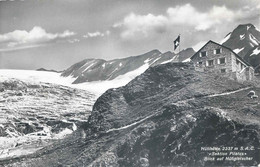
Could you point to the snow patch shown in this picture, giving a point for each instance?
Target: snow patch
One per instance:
(253, 39)
(155, 60)
(167, 61)
(63, 133)
(104, 65)
(88, 67)
(114, 71)
(120, 64)
(257, 29)
(238, 50)
(186, 60)
(225, 39)
(247, 27)
(74, 127)
(147, 60)
(173, 128)
(150, 59)
(256, 51)
(242, 37)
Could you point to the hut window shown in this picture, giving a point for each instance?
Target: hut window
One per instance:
(217, 51)
(203, 54)
(222, 61)
(210, 62)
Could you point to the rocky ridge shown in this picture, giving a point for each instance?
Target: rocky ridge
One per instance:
(98, 69)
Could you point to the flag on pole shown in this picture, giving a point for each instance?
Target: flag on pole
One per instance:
(176, 42)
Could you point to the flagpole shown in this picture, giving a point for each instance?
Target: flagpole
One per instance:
(179, 48)
(176, 43)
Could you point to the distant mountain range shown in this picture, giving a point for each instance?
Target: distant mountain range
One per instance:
(245, 41)
(43, 69)
(98, 69)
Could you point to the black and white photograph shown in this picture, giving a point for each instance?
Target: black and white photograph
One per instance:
(129, 83)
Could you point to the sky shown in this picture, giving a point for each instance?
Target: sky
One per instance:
(55, 34)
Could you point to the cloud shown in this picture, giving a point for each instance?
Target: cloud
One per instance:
(73, 40)
(96, 34)
(201, 21)
(7, 49)
(134, 25)
(35, 37)
(11, 0)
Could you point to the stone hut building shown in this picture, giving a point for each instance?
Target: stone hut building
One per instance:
(214, 57)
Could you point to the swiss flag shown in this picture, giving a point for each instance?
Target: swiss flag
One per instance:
(176, 42)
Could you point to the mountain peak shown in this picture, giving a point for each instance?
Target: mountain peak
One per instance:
(168, 52)
(51, 70)
(154, 51)
(187, 49)
(242, 39)
(245, 25)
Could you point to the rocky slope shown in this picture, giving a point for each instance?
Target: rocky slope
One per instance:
(97, 69)
(162, 118)
(253, 57)
(245, 41)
